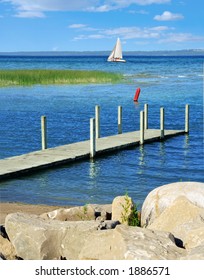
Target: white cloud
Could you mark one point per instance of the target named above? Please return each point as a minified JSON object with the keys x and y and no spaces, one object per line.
{"x":24,"y":7}
{"x":180,"y":38}
{"x":108,"y":5}
{"x":146,"y":2}
{"x":167,"y":16}
{"x":160,"y":28}
{"x":161,"y":34}
{"x":126,"y":33}
{"x":77,"y":25}
{"x":30,"y":14}
{"x":142,"y":12}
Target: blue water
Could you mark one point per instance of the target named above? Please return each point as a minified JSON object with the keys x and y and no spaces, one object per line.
{"x":170,"y":82}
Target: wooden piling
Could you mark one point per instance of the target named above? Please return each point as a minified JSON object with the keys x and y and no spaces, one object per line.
{"x":146,"y":116}
{"x":187,"y":119}
{"x":44,"y":132}
{"x":120,"y":119}
{"x":141,"y":127}
{"x":92,"y":138}
{"x":162,"y":122}
{"x":97,"y":121}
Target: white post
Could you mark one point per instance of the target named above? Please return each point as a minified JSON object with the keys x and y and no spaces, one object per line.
{"x":97,"y":117}
{"x":162,"y":122}
{"x":187,"y":119}
{"x":120,"y":119}
{"x":141,"y":127}
{"x":44,"y":132}
{"x":146,"y":116}
{"x":92,"y":138}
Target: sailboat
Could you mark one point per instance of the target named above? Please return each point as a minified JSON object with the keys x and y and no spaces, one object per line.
{"x":116,"y":54}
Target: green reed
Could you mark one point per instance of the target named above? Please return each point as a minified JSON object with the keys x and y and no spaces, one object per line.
{"x":46,"y":77}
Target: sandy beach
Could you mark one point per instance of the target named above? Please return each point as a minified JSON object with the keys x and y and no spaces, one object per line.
{"x":6,"y":208}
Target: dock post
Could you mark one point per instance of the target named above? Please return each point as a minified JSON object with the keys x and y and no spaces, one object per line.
{"x":92,"y":138}
{"x":44,"y":132}
{"x":141,"y":127}
{"x":146,"y":116}
{"x":162,"y":122}
{"x":120,"y":119}
{"x":97,"y":118}
{"x":187,"y":119}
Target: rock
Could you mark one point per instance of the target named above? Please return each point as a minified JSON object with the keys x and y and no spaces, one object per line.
{"x":37,"y":239}
{"x":81,"y":213}
{"x":196,"y":253}
{"x":103,"y":211}
{"x":194,"y":238}
{"x":162,"y":197}
{"x":180,"y":218}
{"x":7,"y":249}
{"x":130,"y":243}
{"x":122,"y":209}
{"x":108,"y":225}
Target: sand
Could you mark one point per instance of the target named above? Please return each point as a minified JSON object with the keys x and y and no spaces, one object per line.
{"x":6,"y":208}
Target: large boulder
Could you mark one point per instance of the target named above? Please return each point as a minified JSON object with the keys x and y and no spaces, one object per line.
{"x":181,"y":218}
{"x":130,"y":243}
{"x":162,"y":197}
{"x":35,"y":238}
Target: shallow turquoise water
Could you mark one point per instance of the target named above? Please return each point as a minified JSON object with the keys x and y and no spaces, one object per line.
{"x":170,"y":82}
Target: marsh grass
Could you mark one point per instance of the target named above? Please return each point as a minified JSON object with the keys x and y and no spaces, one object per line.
{"x":46,"y":77}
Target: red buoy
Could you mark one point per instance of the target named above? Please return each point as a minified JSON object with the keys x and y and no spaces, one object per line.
{"x":137,"y":93}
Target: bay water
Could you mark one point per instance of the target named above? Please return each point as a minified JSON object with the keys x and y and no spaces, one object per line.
{"x":169,"y":82}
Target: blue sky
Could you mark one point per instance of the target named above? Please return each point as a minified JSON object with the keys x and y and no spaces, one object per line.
{"x":94,"y":25}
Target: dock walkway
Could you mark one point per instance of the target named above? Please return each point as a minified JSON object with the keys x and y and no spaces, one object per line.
{"x":28,"y":163}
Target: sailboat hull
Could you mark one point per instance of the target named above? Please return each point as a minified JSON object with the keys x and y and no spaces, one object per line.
{"x":116,"y":60}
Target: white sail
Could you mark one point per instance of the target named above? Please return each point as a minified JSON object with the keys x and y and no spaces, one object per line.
{"x":116,"y":54}
{"x":118,"y":49}
{"x":111,"y":56}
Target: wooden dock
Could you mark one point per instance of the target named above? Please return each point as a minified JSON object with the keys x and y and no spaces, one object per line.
{"x":28,"y":163}
{"x":48,"y":158}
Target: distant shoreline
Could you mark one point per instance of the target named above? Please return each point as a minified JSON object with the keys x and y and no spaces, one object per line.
{"x":191,"y":52}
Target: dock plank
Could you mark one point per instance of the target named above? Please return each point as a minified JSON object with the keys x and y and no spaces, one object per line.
{"x":27,"y":163}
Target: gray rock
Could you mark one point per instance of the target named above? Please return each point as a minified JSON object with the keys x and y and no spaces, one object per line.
{"x":180,"y":218}
{"x":161,"y":198}
{"x":81,"y":213}
{"x":37,"y":239}
{"x":196,"y":253}
{"x":6,"y":248}
{"x":130,"y":243}
{"x":104,"y":225}
{"x":194,"y":238}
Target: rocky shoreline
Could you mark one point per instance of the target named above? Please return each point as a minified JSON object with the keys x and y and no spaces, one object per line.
{"x":169,"y":227}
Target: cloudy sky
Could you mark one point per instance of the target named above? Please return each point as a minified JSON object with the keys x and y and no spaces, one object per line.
{"x":94,"y":25}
